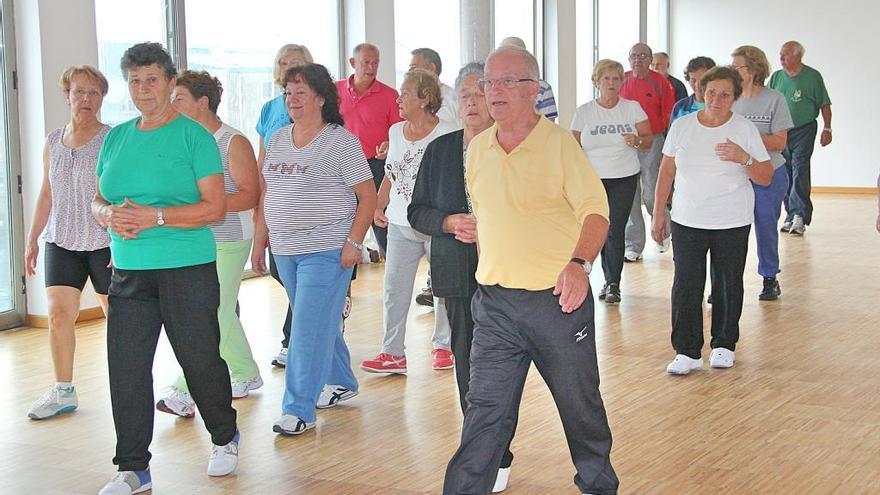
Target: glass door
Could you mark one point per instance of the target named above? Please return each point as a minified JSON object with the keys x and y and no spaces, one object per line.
{"x":12,"y":302}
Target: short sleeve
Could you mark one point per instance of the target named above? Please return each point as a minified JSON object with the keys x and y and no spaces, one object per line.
{"x":104,"y":153}
{"x":354,"y":168}
{"x":261,"y":124}
{"x":824,"y":99}
{"x":781,"y":119}
{"x":670,"y":144}
{"x":579,"y":121}
{"x":206,"y":155}
{"x":638,"y":113}
{"x":755,"y":145}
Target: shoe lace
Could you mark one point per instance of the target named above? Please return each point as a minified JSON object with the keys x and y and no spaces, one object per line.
{"x":49,"y":397}
{"x":178,"y":395}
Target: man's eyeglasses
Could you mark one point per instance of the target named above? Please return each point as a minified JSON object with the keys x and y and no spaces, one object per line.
{"x":507,"y":83}
{"x":638,"y":56}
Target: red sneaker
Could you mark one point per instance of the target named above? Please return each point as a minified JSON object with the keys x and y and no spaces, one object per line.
{"x":385,"y":363}
{"x":443,"y":359}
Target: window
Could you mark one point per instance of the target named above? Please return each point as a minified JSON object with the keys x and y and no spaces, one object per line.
{"x":116,"y":32}
{"x":584,"y":51}
{"x":618,"y":28}
{"x":238,"y":46}
{"x":658,"y":25}
{"x":415,"y":26}
{"x":515,"y":18}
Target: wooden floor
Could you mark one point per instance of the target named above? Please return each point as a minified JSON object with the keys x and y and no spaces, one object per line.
{"x":799,"y":414}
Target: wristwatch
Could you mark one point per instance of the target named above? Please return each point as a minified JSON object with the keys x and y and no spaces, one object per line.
{"x":160,"y":217}
{"x":586,"y":265}
{"x":749,"y":162}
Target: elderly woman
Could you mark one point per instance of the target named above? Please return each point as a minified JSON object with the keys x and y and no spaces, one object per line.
{"x":318,"y":200}
{"x":197,"y":96}
{"x":160,"y":185}
{"x":712,"y":155}
{"x":274,"y":116}
{"x":440,"y":208}
{"x":768,"y":110}
{"x":612,"y":130}
{"x":76,"y":247}
{"x":419,"y":102}
{"x":695,"y":69}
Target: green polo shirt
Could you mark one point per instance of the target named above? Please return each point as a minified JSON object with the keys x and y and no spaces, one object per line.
{"x":805,"y":93}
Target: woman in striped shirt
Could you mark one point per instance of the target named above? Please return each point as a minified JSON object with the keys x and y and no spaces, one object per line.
{"x":317,"y":204}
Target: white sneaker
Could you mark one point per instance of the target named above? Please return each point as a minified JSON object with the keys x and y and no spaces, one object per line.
{"x":631,"y":256}
{"x":54,"y":402}
{"x":224,"y":458}
{"x":667,"y":243}
{"x":177,"y":402}
{"x":797,"y":225}
{"x":280,"y":359}
{"x":241,"y":390}
{"x":127,"y":483}
{"x":501,"y":480}
{"x":721,"y":358}
{"x":346,"y":310}
{"x":682,"y":365}
{"x":332,"y":395}
{"x":291,"y":425}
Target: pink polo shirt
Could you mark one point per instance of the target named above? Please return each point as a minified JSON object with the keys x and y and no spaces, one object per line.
{"x":369,"y":116}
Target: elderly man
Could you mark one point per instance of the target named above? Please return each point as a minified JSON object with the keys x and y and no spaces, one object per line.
{"x":806,"y":95}
{"x":661,"y":65}
{"x":545,"y":102}
{"x":369,"y":108}
{"x":428,"y":59}
{"x":657,"y":97}
{"x":542,"y":217}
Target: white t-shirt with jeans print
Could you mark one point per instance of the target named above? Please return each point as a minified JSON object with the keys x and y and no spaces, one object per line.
{"x":402,"y":167}
{"x":602,"y":132}
{"x":711,"y":193}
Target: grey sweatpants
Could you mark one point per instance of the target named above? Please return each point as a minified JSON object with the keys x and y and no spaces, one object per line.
{"x":649,"y":164}
{"x":512,"y":329}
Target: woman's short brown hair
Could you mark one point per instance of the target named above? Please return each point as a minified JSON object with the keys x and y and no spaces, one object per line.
{"x":720,"y":73}
{"x":756,"y":62}
{"x":200,"y":83}
{"x":603,"y":65}
{"x":427,"y":86}
{"x":83,"y":70}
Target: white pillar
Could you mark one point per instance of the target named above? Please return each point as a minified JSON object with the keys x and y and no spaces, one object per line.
{"x":49,"y":37}
{"x":560,"y":55}
{"x":476,"y":29}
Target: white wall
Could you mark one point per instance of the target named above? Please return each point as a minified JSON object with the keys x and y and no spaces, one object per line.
{"x":47,"y":43}
{"x":836,"y":38}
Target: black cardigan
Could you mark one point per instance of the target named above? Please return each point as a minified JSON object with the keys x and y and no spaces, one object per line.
{"x":438,"y":193}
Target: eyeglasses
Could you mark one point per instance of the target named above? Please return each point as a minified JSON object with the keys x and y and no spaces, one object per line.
{"x":507,"y":83}
{"x":80,"y":93}
{"x":638,"y":56}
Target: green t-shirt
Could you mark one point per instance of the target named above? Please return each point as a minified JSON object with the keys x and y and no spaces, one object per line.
{"x":159,"y":168}
{"x":805,"y":93}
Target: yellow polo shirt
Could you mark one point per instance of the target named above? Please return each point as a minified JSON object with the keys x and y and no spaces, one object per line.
{"x":530,"y":204}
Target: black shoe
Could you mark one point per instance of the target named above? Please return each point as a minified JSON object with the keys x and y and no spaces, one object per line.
{"x":426,"y":298}
{"x":612,"y":296}
{"x":603,"y":292}
{"x":709,"y":299}
{"x":771,"y":290}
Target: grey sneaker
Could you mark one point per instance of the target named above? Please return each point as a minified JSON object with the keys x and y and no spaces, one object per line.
{"x":280,"y":359}
{"x":242,"y":389}
{"x":224,"y":458}
{"x":54,"y":402}
{"x":786,"y":227}
{"x":178,"y":403}
{"x":127,"y":483}
{"x":291,"y":425}
{"x":797,"y":225}
{"x":332,"y":395}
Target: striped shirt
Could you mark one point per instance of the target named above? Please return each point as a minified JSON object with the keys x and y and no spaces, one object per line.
{"x":73,"y":185}
{"x":237,"y":225}
{"x":545,"y":104}
{"x":309,"y":202}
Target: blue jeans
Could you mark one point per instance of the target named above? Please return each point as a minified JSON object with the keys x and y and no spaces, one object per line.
{"x":798,"y":151}
{"x":768,"y":206}
{"x":316,"y":284}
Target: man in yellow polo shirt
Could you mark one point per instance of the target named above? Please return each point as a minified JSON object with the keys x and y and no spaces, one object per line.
{"x":541,"y":219}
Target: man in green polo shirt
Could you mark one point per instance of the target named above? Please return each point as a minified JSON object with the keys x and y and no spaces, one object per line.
{"x":806,"y":95}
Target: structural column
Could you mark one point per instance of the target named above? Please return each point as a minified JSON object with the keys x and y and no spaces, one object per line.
{"x":476,"y":29}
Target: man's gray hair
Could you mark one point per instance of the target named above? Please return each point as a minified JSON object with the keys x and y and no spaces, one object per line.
{"x":798,"y":48}
{"x":534,"y":71}
{"x":430,"y":56}
{"x":470,"y":69}
{"x":364,"y":46}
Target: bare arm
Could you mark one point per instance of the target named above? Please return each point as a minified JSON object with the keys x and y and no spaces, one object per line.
{"x":825,"y":139}
{"x":665,"y":178}
{"x":261,"y":233}
{"x":363,"y":216}
{"x":577,"y":136}
{"x":243,"y":169}
{"x":776,"y":141}
{"x":382,"y":200}
{"x":643,"y":140}
{"x":41,"y":217}
{"x":572,"y":284}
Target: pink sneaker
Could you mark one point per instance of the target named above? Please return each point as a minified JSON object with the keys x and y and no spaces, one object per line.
{"x":443,"y":359}
{"x":385,"y":363}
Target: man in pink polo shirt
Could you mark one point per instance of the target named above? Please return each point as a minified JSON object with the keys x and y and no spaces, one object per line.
{"x":369,"y":108}
{"x":657,"y":97}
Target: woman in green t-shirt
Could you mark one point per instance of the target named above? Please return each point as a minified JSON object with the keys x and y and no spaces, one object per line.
{"x":160,"y":185}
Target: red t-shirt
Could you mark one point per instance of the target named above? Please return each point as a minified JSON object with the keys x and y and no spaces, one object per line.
{"x":654,"y":93}
{"x":369,"y":116}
